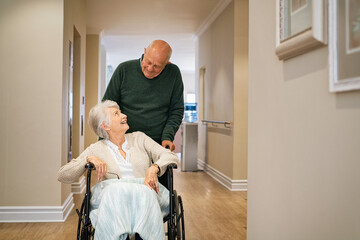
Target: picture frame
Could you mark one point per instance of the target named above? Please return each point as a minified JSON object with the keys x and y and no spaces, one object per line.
{"x":305,"y":38}
{"x":344,"y":45}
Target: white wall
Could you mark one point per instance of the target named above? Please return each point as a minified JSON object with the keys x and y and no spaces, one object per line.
{"x":102,"y":73}
{"x":189,"y":82}
{"x":303,"y":143}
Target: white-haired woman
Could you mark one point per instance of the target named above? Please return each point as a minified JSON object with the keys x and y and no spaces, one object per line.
{"x":129,"y":157}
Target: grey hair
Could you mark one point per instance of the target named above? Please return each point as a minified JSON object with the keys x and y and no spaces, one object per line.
{"x":98,"y":115}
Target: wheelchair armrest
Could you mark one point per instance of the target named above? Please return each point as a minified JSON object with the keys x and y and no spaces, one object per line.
{"x":167,"y":178}
{"x":172,"y":166}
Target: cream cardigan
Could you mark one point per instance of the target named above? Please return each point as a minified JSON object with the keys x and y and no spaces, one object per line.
{"x":142,"y":149}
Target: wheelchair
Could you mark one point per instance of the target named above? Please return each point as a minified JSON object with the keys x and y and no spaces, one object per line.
{"x":174,"y":220}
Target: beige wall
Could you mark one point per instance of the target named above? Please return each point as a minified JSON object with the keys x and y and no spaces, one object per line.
{"x":78,"y":106}
{"x":31,"y":97}
{"x":222,"y":51}
{"x":74,"y":31}
{"x":92,"y":81}
{"x":241,"y":49}
{"x":216,"y":51}
{"x":34,"y":96}
{"x":303,"y":143}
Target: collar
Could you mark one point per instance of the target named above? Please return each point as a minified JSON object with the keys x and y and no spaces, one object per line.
{"x":142,"y":57}
{"x":124,"y":146}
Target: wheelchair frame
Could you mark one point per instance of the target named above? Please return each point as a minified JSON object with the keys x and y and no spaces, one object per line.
{"x":175,"y":219}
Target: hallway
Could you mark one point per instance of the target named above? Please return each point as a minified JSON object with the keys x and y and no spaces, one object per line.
{"x":211,"y":212}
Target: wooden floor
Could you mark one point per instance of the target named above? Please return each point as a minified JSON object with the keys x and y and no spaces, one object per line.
{"x":211,"y":212}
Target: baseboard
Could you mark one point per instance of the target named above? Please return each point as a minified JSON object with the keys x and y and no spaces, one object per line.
{"x":37,"y":213}
{"x":233,"y":185}
{"x":79,"y":187}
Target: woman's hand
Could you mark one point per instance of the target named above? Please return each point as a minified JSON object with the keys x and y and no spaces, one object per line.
{"x":100,"y":166}
{"x":151,"y":179}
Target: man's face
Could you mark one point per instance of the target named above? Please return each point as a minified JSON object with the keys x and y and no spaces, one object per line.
{"x":153,"y":63}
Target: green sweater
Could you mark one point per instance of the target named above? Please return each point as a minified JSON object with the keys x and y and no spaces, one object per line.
{"x":153,"y":106}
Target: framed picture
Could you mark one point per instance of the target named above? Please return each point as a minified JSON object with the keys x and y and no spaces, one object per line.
{"x":344,"y":45}
{"x":301,"y":26}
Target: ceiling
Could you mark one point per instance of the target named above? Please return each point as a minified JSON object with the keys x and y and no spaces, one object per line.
{"x":128,"y":26}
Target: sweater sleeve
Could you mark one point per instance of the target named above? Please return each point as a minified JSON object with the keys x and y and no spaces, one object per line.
{"x":72,"y":171}
{"x":176,"y":110}
{"x":158,"y":154}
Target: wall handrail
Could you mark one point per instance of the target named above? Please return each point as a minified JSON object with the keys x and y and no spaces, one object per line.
{"x":227,"y":124}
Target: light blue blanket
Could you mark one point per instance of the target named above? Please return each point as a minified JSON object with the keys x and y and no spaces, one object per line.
{"x":125,"y":206}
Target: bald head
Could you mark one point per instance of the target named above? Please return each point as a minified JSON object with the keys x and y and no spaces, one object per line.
{"x":160,"y":47}
{"x":156,"y":57}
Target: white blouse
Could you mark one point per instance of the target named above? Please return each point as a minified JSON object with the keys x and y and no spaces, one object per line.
{"x":124,"y":164}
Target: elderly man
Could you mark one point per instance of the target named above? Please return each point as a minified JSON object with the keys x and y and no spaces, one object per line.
{"x":149,"y":91}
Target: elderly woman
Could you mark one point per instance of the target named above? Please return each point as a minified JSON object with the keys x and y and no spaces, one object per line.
{"x":136,"y":202}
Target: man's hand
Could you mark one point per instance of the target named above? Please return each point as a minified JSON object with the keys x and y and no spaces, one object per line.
{"x":151,"y":179}
{"x":166,"y":143}
{"x":100,"y":166}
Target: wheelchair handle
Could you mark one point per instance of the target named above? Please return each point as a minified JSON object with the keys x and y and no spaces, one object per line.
{"x":172,"y":166}
{"x":90,"y":166}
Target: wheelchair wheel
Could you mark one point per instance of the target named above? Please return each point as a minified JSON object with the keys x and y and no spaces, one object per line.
{"x":179,"y":213}
{"x":85,"y":230}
